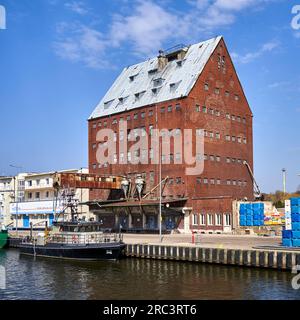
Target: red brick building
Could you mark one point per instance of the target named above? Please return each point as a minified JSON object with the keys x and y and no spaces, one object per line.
{"x":193,"y":87}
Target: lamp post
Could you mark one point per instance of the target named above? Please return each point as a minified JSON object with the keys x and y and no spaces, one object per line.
{"x":284,"y":180}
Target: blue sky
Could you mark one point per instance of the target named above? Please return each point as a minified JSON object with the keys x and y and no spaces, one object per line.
{"x":58,"y":58}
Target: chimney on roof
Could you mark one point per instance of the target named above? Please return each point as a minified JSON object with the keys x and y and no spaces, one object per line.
{"x":162,"y":60}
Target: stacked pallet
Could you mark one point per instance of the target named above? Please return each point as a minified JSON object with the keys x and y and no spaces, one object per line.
{"x":291,"y":238}
{"x":252,"y":214}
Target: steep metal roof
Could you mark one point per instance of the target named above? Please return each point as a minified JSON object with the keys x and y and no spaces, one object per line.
{"x":144,"y":84}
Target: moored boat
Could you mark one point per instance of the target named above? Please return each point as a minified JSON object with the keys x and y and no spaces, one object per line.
{"x":3,"y":238}
{"x":75,"y":240}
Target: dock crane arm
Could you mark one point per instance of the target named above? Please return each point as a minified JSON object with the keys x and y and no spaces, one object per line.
{"x":257,"y":192}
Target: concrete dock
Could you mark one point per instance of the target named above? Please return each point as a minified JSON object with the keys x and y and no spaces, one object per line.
{"x":243,"y":251}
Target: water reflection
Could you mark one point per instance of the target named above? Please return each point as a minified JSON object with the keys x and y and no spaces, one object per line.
{"x":29,"y":278}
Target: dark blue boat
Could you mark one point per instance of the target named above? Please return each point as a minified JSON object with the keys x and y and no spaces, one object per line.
{"x":75,"y":240}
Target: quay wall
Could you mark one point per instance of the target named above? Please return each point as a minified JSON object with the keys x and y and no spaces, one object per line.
{"x":257,"y":258}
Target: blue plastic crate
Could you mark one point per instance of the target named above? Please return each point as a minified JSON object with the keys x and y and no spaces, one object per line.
{"x":296,"y":226}
{"x":295,"y":209}
{"x":262,"y":222}
{"x":287,"y":234}
{"x":256,"y":216}
{"x":287,"y":242}
{"x":256,"y":223}
{"x":295,"y":202}
{"x":243,"y":223}
{"x":296,"y":242}
{"x":249,"y":212}
{"x":249,"y":223}
{"x":248,"y":206}
{"x":295,"y":217}
{"x":296,"y":234}
{"x":243,"y":210}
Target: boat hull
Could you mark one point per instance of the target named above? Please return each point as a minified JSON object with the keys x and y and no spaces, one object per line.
{"x":75,"y":252}
{"x":3,"y":238}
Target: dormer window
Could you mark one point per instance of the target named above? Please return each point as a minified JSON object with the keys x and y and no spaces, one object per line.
{"x":152,"y":71}
{"x":138,"y":95}
{"x":179,"y":63}
{"x":132,"y":77}
{"x":156,"y":90}
{"x":107,"y":104}
{"x":157,"y":82}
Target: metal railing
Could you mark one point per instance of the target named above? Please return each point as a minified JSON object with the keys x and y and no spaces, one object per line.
{"x":84,"y":238}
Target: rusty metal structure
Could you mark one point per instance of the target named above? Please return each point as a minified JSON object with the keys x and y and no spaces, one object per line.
{"x":86,"y":181}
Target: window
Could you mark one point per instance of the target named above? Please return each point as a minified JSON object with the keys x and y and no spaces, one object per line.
{"x":218,"y":181}
{"x":47,"y":194}
{"x":227,"y":116}
{"x":218,"y":218}
{"x":129,"y":156}
{"x":94,"y":145}
{"x":198,"y":180}
{"x":178,"y":107}
{"x":151,"y":130}
{"x":212,"y":158}
{"x":204,"y":109}
{"x":105,"y":123}
{"x":227,"y":219}
{"x":143,"y":115}
{"x":135,"y":116}
{"x":245,"y":140}
{"x":128,"y":118}
{"x":211,"y":134}
{"x":206,"y":87}
{"x":212,"y":181}
{"x":169,"y":108}
{"x":114,"y":121}
{"x":202,"y":219}
{"x":233,"y":160}
{"x":228,"y":160}
{"x":47,"y":181}
{"x":217,"y":91}
{"x":37,"y":195}
{"x":218,"y":158}
{"x":227,"y":94}
{"x":238,"y":119}
{"x":227,"y":138}
{"x":244,"y":120}
{"x":30,"y":183}
{"x":94,"y":126}
{"x":121,"y":157}
{"x":228,"y":182}
{"x":115,"y":158}
{"x":162,"y":110}
{"x":195,"y":219}
{"x":234,"y":182}
{"x":239,"y":139}
{"x":99,"y":124}
{"x":171,"y":181}
{"x":197,"y":108}
{"x":29,"y":195}
{"x":236,"y":97}
{"x":151,"y":177}
{"x":178,"y":180}
{"x":150,"y":113}
{"x":205,"y":181}
{"x":218,"y":113}
{"x":178,"y":156}
{"x":218,"y":136}
{"x":233,"y":117}
{"x":211,"y":111}
{"x":233,"y":139}
{"x":210,"y":219}
{"x":205,"y":157}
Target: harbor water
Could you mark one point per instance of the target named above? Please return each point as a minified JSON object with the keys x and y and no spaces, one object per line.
{"x":44,"y":279}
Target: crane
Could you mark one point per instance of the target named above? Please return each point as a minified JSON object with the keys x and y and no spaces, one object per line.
{"x":257,"y":193}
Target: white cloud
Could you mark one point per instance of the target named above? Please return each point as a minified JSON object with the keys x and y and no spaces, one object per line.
{"x":276,"y":85}
{"x":79,"y":43}
{"x":77,"y":7}
{"x":148,"y":26}
{"x":250,"y":56}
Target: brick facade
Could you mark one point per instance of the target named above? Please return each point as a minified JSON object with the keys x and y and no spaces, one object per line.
{"x":216,"y":104}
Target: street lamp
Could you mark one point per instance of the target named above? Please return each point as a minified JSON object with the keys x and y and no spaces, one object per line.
{"x":284,"y":180}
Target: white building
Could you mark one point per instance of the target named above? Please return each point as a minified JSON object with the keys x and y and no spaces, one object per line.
{"x":7,"y":195}
{"x":37,"y":204}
